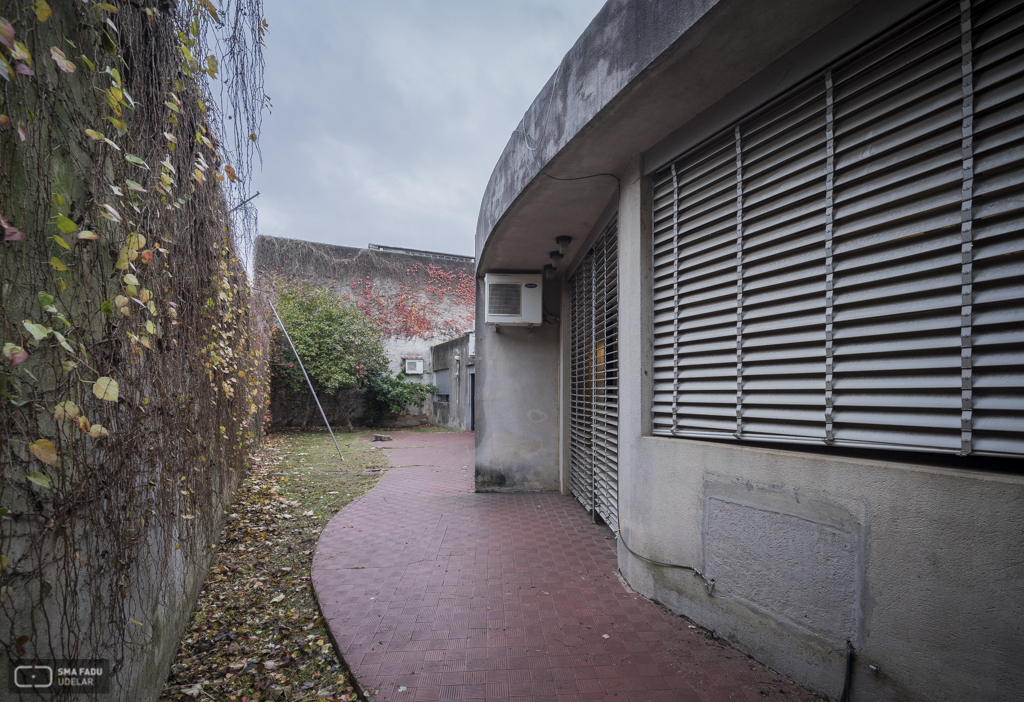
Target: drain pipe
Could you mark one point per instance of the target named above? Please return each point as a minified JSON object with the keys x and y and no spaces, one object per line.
{"x":315,"y":398}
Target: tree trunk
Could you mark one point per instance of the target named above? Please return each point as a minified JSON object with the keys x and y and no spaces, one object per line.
{"x":309,"y":412}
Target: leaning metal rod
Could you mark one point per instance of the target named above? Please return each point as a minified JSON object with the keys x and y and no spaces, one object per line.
{"x":322,"y":413}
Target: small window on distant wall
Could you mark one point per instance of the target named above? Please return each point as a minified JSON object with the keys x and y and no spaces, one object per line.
{"x":414,"y":366}
{"x":442,"y":379}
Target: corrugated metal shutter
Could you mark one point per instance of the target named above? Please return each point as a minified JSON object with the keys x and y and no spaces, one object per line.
{"x":845,"y":265}
{"x":594,"y":373}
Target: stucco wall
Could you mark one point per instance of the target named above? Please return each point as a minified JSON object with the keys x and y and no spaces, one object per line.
{"x":517,"y":437}
{"x":919,"y":567}
{"x":454,"y":355}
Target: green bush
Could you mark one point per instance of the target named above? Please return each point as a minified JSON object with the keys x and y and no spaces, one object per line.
{"x":385,"y":394}
{"x":339,"y":346}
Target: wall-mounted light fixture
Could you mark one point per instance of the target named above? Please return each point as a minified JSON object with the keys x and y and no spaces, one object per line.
{"x":556,"y":257}
{"x":549,"y":271}
{"x":562,"y":242}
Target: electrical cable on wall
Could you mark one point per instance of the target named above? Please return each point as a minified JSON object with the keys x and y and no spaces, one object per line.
{"x":709,"y":583}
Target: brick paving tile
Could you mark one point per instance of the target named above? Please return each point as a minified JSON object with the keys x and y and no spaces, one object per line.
{"x":434,"y":592}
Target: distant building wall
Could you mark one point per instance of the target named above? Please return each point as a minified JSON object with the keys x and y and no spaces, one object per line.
{"x":419,"y":298}
{"x":457,"y":358}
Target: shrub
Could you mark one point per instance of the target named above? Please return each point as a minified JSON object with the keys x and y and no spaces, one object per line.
{"x":390,"y":394}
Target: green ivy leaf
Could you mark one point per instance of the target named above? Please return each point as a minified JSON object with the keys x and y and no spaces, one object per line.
{"x":107,"y":308}
{"x":63,"y":342}
{"x":66,"y":226}
{"x":106,"y":389}
{"x":38,"y":331}
{"x":40,"y":479}
{"x":136,"y":160}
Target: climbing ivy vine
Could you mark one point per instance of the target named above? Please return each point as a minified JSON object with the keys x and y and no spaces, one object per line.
{"x":133,"y":373}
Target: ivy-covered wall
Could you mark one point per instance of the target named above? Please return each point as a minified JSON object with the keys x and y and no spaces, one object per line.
{"x":132,"y":376}
{"x":416,"y":300}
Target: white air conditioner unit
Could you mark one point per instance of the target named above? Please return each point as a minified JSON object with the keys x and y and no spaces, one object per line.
{"x":514,"y":299}
{"x":413,"y":366}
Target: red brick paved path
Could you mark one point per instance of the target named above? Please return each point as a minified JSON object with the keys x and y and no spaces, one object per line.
{"x":455,"y":595}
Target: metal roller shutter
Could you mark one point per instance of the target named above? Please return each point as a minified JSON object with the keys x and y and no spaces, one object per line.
{"x":846,"y":265}
{"x":594,"y":371}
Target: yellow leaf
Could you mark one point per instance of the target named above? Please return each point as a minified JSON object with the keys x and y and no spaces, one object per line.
{"x":61,"y":241}
{"x":106,"y":389}
{"x":97,"y":431}
{"x":42,"y":10}
{"x":93,"y":134}
{"x":66,"y":410}
{"x":150,"y":327}
{"x":44,"y":450}
{"x":131,"y":279}
{"x":56,"y":264}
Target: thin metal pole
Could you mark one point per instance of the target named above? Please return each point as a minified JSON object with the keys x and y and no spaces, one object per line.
{"x":322,"y":413}
{"x":244,"y":202}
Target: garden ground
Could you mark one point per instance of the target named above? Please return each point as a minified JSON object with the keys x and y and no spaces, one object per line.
{"x":256,"y":631}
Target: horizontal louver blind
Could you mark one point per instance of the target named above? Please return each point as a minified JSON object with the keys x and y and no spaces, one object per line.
{"x":845,"y":266}
{"x":594,"y":371}
{"x":581,"y":389}
{"x":998,"y":234}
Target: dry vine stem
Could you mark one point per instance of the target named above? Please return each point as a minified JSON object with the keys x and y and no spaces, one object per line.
{"x":133,"y":376}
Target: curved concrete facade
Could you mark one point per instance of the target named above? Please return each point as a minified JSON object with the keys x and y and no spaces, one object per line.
{"x":639,"y":71}
{"x":917,"y":565}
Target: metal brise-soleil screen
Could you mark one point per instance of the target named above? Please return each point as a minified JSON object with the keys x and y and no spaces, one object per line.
{"x":594,"y":379}
{"x":846,"y":265}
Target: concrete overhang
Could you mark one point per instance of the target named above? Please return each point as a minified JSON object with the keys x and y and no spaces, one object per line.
{"x":640,"y":70}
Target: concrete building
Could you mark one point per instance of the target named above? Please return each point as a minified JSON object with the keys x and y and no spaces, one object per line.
{"x":454,"y":364}
{"x":419,"y":298}
{"x":782,"y":353}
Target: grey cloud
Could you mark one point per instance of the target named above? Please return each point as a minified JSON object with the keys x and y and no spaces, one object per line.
{"x":389,"y":116}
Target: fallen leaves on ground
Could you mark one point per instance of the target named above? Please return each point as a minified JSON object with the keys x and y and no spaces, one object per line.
{"x":256,"y":632}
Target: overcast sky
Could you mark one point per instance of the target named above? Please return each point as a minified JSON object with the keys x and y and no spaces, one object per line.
{"x":389,"y":115}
